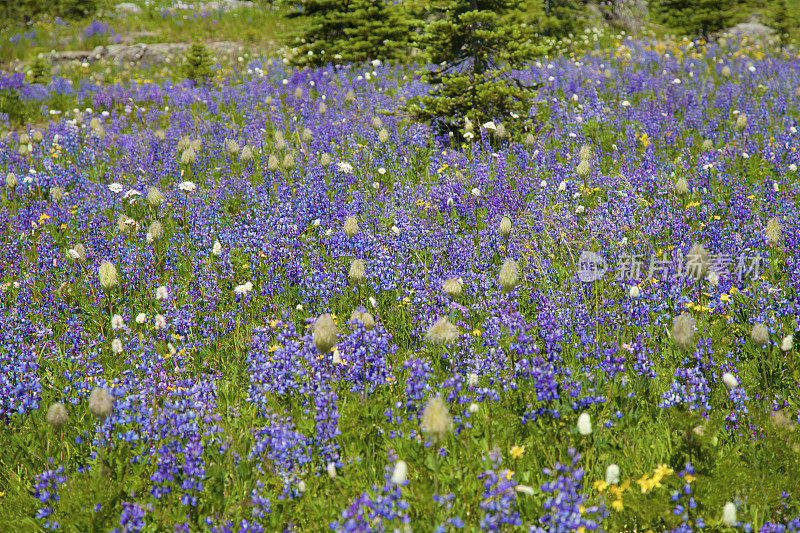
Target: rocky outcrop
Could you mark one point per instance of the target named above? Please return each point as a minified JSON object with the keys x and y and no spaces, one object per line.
{"x":144,"y":55}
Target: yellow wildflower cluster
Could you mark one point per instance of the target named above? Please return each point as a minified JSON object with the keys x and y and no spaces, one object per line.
{"x":648,"y":484}
{"x":614,"y":490}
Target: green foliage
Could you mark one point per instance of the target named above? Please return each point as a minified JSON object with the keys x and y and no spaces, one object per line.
{"x":12,"y":106}
{"x":40,"y":70}
{"x":352,"y":31}
{"x":699,"y":17}
{"x":562,"y":17}
{"x":475,"y":44}
{"x":376,"y":30}
{"x":784,"y":22}
{"x":197,"y":63}
{"x":24,"y":10}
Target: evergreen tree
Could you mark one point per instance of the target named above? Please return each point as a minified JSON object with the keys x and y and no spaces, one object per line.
{"x":197,"y":63}
{"x":375,"y":30}
{"x":783,"y":22}
{"x":695,"y":17}
{"x":322,"y":41}
{"x":474,"y":44}
{"x":562,"y":17}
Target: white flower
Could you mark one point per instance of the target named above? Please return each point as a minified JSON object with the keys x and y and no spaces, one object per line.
{"x":381,"y":171}
{"x":612,"y":474}
{"x":562,"y":186}
{"x":116,"y":346}
{"x":332,"y":470}
{"x":116,"y":188}
{"x":117,"y":323}
{"x":132,"y":194}
{"x":730,"y":380}
{"x":473,"y":408}
{"x":395,"y":230}
{"x":187,"y":186}
{"x":141,"y":318}
{"x":787,"y":343}
{"x":584,"y":424}
{"x":400,"y":473}
{"x":580,"y":209}
{"x":162,"y":293}
{"x":160,"y":322}
{"x":543,"y":184}
{"x":626,"y":103}
{"x":345,"y":167}
{"x":301,"y":486}
{"x":216,"y":249}
{"x":243,"y":289}
{"x":475,"y":192}
{"x":472,"y":379}
{"x":450,"y":202}
{"x":525,"y":489}
{"x":634,"y":291}
{"x":745,"y":155}
{"x":793,"y":167}
{"x":729,"y":514}
{"x":490,"y":126}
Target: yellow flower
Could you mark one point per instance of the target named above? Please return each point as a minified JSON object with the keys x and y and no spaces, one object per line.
{"x":689,"y":478}
{"x":617,"y":505}
{"x":663,"y":470}
{"x":517,"y":451}
{"x":600,"y":485}
{"x":476,"y":332}
{"x":724,"y":297}
{"x":509,"y":474}
{"x":273,"y":348}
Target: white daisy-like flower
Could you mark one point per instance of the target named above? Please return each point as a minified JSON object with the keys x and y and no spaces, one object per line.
{"x":116,"y":188}
{"x":345,"y":167}
{"x":243,"y":289}
{"x":490,"y":126}
{"x":141,"y":318}
{"x":475,"y":192}
{"x":187,"y":186}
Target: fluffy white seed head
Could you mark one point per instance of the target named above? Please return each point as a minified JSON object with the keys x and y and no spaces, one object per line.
{"x":56,"y":195}
{"x":216,"y":250}
{"x":683,"y":331}
{"x":383,"y":136}
{"x":436,"y":420}
{"x":729,"y":514}
{"x":584,"y":424}
{"x":108,"y":275}
{"x":364,"y":317}
{"x":452,"y":287}
{"x":101,"y":404}
{"x":634,"y":291}
{"x":246,"y":155}
{"x":116,"y":346}
{"x":582,"y":170}
{"x":162,"y":293}
{"x":159,"y":322}
{"x":155,"y":197}
{"x":697,"y":262}
{"x":774,"y":231}
{"x":681,"y":186}
{"x":442,"y":332}
{"x":787,"y":343}
{"x":57,"y":416}
{"x":741,"y":122}
{"x":505,"y":227}
{"x":331,"y":469}
{"x":11,"y":180}
{"x":612,"y":474}
{"x":326,"y":333}
{"x":272,"y":163}
{"x":351,"y":226}
{"x":509,"y":275}
{"x":325,"y":160}
{"x":358,"y":273}
{"x":156,"y":231}
{"x":117,"y":322}
{"x":759,"y":335}
{"x":585,"y":153}
{"x":400,"y":472}
{"x":730,"y":380}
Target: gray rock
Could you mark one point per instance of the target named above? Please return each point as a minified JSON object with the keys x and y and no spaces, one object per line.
{"x":128,"y":8}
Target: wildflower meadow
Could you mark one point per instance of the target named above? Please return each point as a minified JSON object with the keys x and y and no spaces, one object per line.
{"x":271,"y":302}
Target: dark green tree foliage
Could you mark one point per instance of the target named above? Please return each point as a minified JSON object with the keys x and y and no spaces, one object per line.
{"x":475,"y":44}
{"x":783,"y":22}
{"x":376,"y":30}
{"x":695,"y":17}
{"x":321,"y":42}
{"x":17,"y":11}
{"x":562,"y":17}
{"x":40,"y":70}
{"x":197,"y":63}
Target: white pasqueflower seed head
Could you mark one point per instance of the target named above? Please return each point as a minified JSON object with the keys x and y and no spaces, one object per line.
{"x":634,"y":291}
{"x":584,"y":424}
{"x":383,"y":136}
{"x":307,"y":135}
{"x":108,"y":275}
{"x":357,"y":272}
{"x":729,"y":514}
{"x":331,"y":468}
{"x":730,"y":380}
{"x":56,"y":195}
{"x":159,"y":322}
{"x":683,"y":331}
{"x":436,"y":420}
{"x":585,"y":153}
{"x":582,"y":170}
{"x":697,"y":262}
{"x":288,"y":162}
{"x":529,"y":141}
{"x":365,"y":317}
{"x":707,"y":145}
{"x":452,"y":287}
{"x":509,"y":275}
{"x":162,"y":293}
{"x":77,"y":253}
{"x":156,"y":231}
{"x":473,"y":408}
{"x":759,"y":335}
{"x":325,"y":160}
{"x":351,"y":226}
{"x":787,"y":343}
{"x":726,"y":71}
{"x":322,"y":109}
{"x":472,"y":379}
{"x":117,"y":323}
{"x":57,"y":415}
{"x":124,"y":224}
{"x":400,"y":472}
{"x":101,"y":404}
{"x":141,"y":318}
{"x":326,"y":334}
{"x":216,"y":250}
{"x":500,"y":132}
{"x":272,"y":163}
{"x":505,"y":227}
{"x":298,"y":93}
{"x":774,"y":231}
{"x":562,"y":186}
{"x":681,"y":186}
{"x":189,"y":156}
{"x":116,"y":346}
{"x":741,"y":122}
{"x":232,"y":146}
{"x":246,"y":155}
{"x":442,"y":332}
{"x":11,"y":180}
{"x":377,"y":123}
{"x":612,"y":474}
{"x":155,"y":197}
